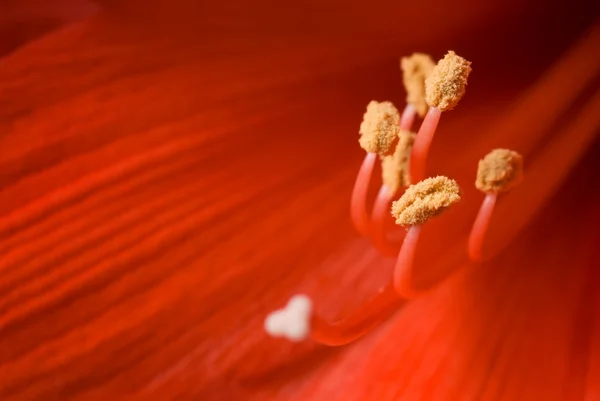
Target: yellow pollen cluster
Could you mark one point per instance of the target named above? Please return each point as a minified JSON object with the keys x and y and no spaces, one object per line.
{"x":424,"y":200}
{"x":499,"y":171}
{"x":415,"y":69}
{"x":379,"y":128}
{"x":446,"y":84}
{"x":395,"y":169}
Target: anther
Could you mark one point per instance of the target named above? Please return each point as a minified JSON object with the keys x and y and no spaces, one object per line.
{"x":499,"y":171}
{"x":419,"y":203}
{"x":379,"y":128}
{"x":415,"y":70}
{"x":447,"y":83}
{"x":378,"y":136}
{"x":443,"y":90}
{"x":395,"y":169}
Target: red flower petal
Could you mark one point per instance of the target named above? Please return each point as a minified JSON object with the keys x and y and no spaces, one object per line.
{"x":159,"y":195}
{"x":22,"y":21}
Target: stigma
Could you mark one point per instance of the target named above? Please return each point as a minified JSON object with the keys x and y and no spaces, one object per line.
{"x":291,"y":322}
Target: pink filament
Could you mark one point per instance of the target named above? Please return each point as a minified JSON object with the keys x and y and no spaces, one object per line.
{"x":418,"y":158}
{"x":408,"y":118}
{"x":381,"y":211}
{"x":403,"y":270}
{"x":480,"y":227}
{"x":370,"y":315}
{"x":358,"y":212}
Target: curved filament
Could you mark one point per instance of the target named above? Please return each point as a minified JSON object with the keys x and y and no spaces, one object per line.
{"x":370,"y":315}
{"x":358,"y":201}
{"x":381,"y":211}
{"x":418,"y":158}
{"x":403,"y":271}
{"x":480,"y":227}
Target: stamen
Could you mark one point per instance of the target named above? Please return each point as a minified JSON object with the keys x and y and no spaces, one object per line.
{"x":443,"y":90}
{"x":395,"y":175}
{"x":499,"y":171}
{"x":379,"y":135}
{"x":419,"y":203}
{"x":415,"y":69}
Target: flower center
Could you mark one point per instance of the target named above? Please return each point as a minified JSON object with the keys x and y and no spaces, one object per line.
{"x":403,"y":156}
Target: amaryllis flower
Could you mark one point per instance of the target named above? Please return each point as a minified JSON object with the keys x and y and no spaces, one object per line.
{"x":173,"y":171}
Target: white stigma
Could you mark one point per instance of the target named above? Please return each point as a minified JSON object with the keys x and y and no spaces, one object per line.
{"x":291,"y":322}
